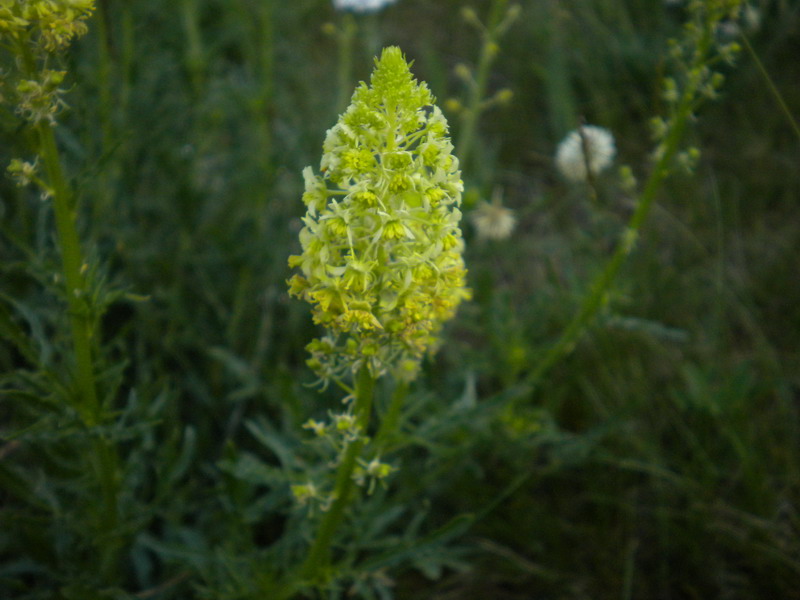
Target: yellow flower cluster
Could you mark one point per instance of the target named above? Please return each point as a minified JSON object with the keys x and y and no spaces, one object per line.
{"x":382,"y":249}
{"x":33,"y":30}
{"x":54,"y":22}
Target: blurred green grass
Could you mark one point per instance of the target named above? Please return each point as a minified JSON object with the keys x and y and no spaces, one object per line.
{"x":660,"y":458}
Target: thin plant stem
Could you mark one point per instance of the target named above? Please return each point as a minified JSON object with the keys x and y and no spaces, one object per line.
{"x":195,"y":57}
{"x":772,"y":87}
{"x":344,"y":73}
{"x":127,"y":54}
{"x":72,"y":266}
{"x":266,"y":76}
{"x":598,"y":291}
{"x":561,"y":100}
{"x":391,"y":420}
{"x":469,"y":121}
{"x":110,"y":542}
{"x":103,"y":459}
{"x":319,"y":555}
{"x":106,"y":103}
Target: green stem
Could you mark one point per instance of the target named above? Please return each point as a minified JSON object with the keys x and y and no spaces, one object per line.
{"x":109,"y":539}
{"x":391,"y":420}
{"x":344,"y":73}
{"x":127,"y":57}
{"x":195,"y":57}
{"x":72,"y":264}
{"x":772,"y":87}
{"x":102,"y":203}
{"x":469,"y":121}
{"x":105,"y":61}
{"x":319,"y":555}
{"x":104,"y":459}
{"x":558,"y":89}
{"x":266,"y":74}
{"x":598,"y":292}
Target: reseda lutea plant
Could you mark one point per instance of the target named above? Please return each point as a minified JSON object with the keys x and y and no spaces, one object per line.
{"x":63,"y":412}
{"x":34,"y":34}
{"x":381,"y":266}
{"x":697,"y":54}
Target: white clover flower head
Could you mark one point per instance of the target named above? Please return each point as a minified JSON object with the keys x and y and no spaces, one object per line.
{"x":493,"y":221}
{"x":588,"y":145}
{"x":362,"y":6}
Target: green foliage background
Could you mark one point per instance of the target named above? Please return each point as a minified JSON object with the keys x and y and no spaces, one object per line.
{"x":661,"y":459}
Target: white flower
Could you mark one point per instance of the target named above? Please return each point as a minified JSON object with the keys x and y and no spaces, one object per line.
{"x":590,"y":145}
{"x":361,"y":6}
{"x":493,"y":221}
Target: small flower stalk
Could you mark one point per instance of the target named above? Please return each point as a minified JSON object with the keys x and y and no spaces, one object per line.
{"x":382,"y":251}
{"x":501,"y":17}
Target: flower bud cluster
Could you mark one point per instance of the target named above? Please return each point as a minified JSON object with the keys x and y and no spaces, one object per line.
{"x":341,"y":430}
{"x":52,"y":24}
{"x":23,"y":172}
{"x":382,"y":249}
{"x":33,"y":30}
{"x":696,"y":53}
{"x":40,"y":99}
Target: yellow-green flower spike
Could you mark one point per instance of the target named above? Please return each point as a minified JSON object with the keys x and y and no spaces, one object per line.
{"x":56,"y":22}
{"x":382,"y":249}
